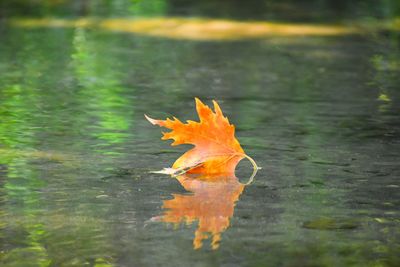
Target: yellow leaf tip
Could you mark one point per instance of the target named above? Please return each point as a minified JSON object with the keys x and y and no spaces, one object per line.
{"x":152,"y":121}
{"x":217,"y":108}
{"x":198,"y":102}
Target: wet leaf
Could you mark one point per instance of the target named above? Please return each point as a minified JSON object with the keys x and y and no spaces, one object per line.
{"x":216,"y":150}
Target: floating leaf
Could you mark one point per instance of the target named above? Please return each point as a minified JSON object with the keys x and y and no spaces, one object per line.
{"x":215,"y":151}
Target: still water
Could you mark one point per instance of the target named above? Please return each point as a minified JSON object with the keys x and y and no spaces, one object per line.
{"x":318,"y":112}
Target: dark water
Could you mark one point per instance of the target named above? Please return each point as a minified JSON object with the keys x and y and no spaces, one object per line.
{"x":319,"y":114}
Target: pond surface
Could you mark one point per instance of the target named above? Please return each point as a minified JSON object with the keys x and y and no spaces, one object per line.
{"x":319,"y":114}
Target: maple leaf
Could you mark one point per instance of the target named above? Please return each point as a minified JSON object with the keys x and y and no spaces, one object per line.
{"x":215,"y":151}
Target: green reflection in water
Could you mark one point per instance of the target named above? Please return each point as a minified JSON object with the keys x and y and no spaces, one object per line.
{"x":101,"y":93}
{"x":19,"y":93}
{"x":31,"y":232}
{"x":148,"y":8}
{"x":21,"y":184}
{"x":21,"y":188}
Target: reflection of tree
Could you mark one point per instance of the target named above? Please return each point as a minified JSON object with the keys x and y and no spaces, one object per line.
{"x":211,"y":204}
{"x":100,"y":92}
{"x":20,"y":184}
{"x":31,"y":115}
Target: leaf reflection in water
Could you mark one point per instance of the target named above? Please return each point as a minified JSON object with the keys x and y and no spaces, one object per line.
{"x":211,"y":204}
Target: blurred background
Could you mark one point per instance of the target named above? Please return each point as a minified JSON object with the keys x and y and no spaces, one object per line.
{"x":312,"y":87}
{"x":287,"y":10}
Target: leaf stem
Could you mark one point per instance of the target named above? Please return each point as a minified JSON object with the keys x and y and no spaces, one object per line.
{"x":255,"y":169}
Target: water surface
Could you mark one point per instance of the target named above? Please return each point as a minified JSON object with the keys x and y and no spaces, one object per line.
{"x":319,"y":114}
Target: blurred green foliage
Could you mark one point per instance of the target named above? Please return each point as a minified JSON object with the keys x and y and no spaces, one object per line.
{"x":292,"y":10}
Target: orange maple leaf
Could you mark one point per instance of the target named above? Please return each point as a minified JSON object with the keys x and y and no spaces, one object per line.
{"x":215,"y":151}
